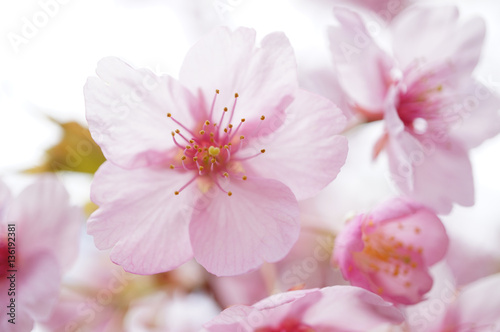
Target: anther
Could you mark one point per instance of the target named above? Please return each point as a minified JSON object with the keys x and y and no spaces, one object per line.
{"x":172,"y":166}
{"x":244,"y":177}
{"x":263,"y":117}
{"x":229,"y":193}
{"x":173,"y":134}
{"x":201,"y":168}
{"x":225,"y":109}
{"x":225,"y":174}
{"x":236,"y":95}
{"x":177,"y":193}
{"x":177,"y":131}
{"x":242,"y":137}
{"x":243,"y":120}
{"x":183,"y":158}
{"x":207,"y":123}
{"x":217,"y":91}
{"x":195,"y":158}
{"x":202,"y":132}
{"x":169,"y":115}
{"x":263,"y":150}
{"x":230,"y":126}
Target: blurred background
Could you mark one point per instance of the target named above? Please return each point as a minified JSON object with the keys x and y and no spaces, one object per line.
{"x":49,"y":48}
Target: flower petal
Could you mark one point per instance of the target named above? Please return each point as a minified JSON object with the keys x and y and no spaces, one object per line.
{"x":141,"y":218}
{"x":477,"y":307}
{"x":229,"y":61}
{"x":44,"y":216}
{"x":127,"y":112}
{"x":39,"y":284}
{"x":437,"y":39}
{"x":362,"y":66}
{"x":351,"y":309}
{"x":477,"y":111}
{"x":305,"y":154}
{"x":234,"y":235}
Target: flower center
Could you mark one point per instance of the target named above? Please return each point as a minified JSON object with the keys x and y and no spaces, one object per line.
{"x":386,"y":254}
{"x":211,"y":151}
{"x":421,"y":105}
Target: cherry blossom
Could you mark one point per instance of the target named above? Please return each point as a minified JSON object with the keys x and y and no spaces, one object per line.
{"x":419,"y":81}
{"x":321,"y":310}
{"x":212,"y":165}
{"x":388,"y":251}
{"x":45,"y":229}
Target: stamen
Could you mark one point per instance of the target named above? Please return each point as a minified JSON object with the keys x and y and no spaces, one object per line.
{"x":178,"y":132}
{"x":175,"y":141}
{"x":213,"y":104}
{"x":184,"y":186}
{"x":218,"y":185}
{"x":234,"y":107}
{"x":236,"y":130}
{"x":221,"y":119}
{"x":180,"y":124}
{"x":250,"y":157}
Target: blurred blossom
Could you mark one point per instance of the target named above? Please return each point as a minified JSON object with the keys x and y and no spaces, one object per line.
{"x":343,"y":308}
{"x":97,"y":294}
{"x":389,"y":250}
{"x":189,"y":161}
{"x":163,"y":313}
{"x":473,"y":307}
{"x":45,"y":229}
{"x":434,"y":111}
{"x":306,"y":266}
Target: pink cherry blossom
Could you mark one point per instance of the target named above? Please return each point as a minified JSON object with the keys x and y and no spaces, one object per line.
{"x":46,"y":232}
{"x":388,"y":251}
{"x":420,"y":83}
{"x":212,"y":165}
{"x":321,"y":310}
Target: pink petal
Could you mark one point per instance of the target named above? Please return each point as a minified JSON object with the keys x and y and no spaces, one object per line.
{"x":306,"y":154}
{"x":229,"y":61}
{"x":269,"y":312}
{"x":417,"y":226}
{"x":437,"y":39}
{"x":47,"y":221}
{"x":478,"y":115}
{"x":141,"y":218}
{"x":38,"y":284}
{"x":127,"y":112}
{"x":351,"y":308}
{"x":477,"y":307}
{"x":362,"y":66}
{"x":234,"y":235}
